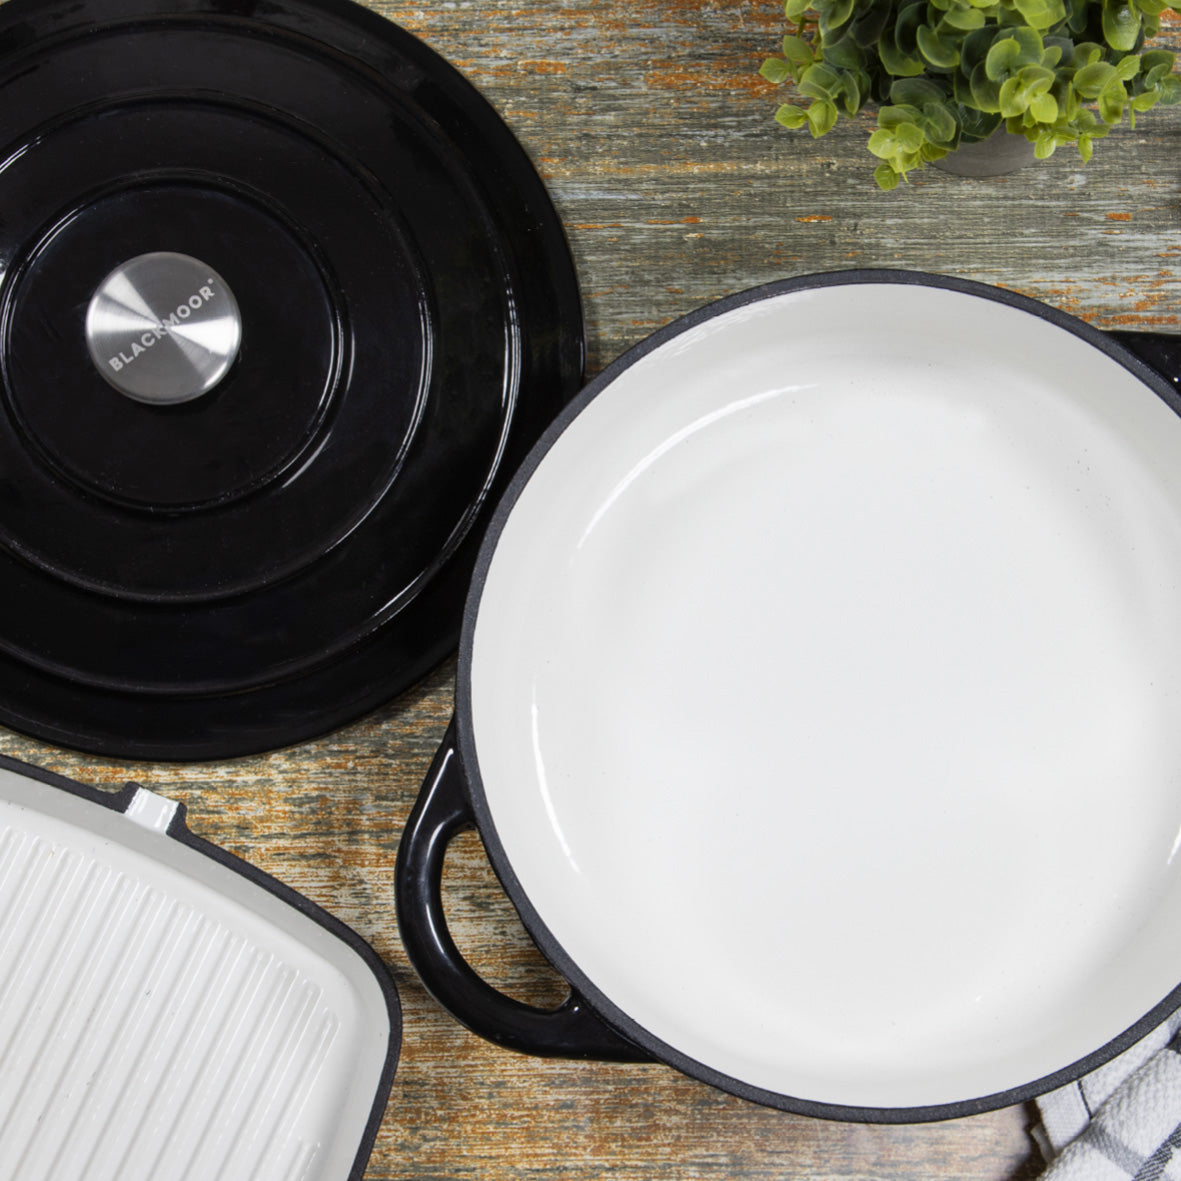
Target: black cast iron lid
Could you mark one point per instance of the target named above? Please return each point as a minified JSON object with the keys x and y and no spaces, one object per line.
{"x":282,"y":299}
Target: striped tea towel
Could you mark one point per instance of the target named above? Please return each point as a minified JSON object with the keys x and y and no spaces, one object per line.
{"x":1122,"y":1122}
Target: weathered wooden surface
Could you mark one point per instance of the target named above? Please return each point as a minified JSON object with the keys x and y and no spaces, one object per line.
{"x":655,"y":136}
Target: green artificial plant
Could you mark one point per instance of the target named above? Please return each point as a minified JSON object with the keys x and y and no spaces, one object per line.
{"x":947,"y":72}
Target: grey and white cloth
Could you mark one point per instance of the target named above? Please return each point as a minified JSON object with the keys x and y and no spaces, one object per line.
{"x":1122,"y":1122}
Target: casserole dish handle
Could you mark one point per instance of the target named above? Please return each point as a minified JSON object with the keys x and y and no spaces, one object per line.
{"x":1160,"y":351}
{"x":571,"y":1030}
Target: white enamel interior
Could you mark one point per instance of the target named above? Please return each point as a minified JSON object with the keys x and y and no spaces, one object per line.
{"x":825,"y":691}
{"x":163,"y":1017}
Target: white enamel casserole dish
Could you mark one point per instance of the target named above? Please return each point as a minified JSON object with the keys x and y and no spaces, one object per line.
{"x":817,"y":705}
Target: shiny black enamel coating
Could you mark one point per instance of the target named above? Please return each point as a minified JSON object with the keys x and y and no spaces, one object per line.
{"x":572,"y":1030}
{"x":284,"y":553}
{"x":1161,"y":351}
{"x":453,"y":795}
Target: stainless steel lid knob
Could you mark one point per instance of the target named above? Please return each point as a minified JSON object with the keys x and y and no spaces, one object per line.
{"x":163,"y":328}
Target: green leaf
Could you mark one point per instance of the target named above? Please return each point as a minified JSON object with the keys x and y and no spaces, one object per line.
{"x":911,"y":17}
{"x":977,"y":125}
{"x":965,"y":19}
{"x":910,"y":137}
{"x":896,"y":63}
{"x":794,"y":9}
{"x":844,"y":53}
{"x":1091,"y":80}
{"x":916,"y":91}
{"x":1111,"y":103}
{"x":1121,"y":25}
{"x":798,"y":52}
{"x":1157,"y":57}
{"x":867,"y":25}
{"x":1077,"y":14}
{"x":940,"y":123}
{"x":1155,"y":65}
{"x":1040,"y":79}
{"x":1041,"y":14}
{"x":1004,"y":59}
{"x":975,"y":48}
{"x":820,"y":81}
{"x":1086,"y":53}
{"x":1012,"y":100}
{"x":1031,"y":44}
{"x":1044,"y":108}
{"x":986,"y":94}
{"x":852,"y":93}
{"x":791,"y":116}
{"x":836,"y":13}
{"x":1020,"y":92}
{"x":1128,"y":67}
{"x":1085,"y":147}
{"x":776,"y":70}
{"x":886,"y":177}
{"x":892,"y":118}
{"x":939,"y":52}
{"x":1036,"y":79}
{"x":822,"y":118}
